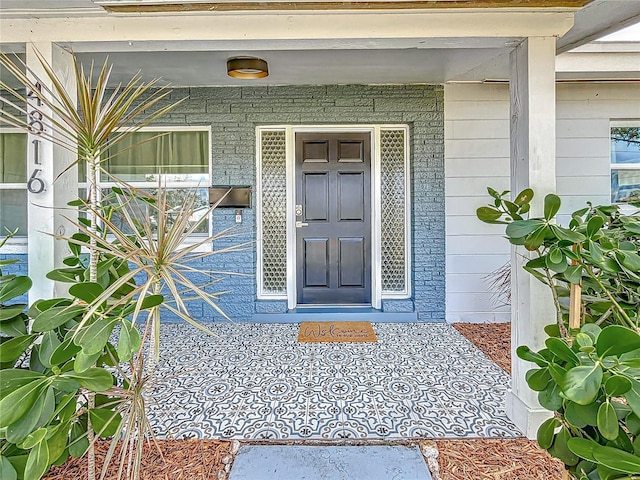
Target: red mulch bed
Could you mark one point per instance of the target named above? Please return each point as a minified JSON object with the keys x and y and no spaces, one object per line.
{"x":515,"y":459}
{"x":183,"y":460}
{"x":493,"y":339}
{"x":510,"y":459}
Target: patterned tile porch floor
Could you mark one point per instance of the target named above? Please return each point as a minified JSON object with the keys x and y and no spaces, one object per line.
{"x":255,"y":381}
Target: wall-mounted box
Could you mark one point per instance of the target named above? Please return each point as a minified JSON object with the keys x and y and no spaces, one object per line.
{"x":230,"y":196}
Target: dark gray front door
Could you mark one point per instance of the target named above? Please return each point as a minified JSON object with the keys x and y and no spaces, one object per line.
{"x":333,"y":218}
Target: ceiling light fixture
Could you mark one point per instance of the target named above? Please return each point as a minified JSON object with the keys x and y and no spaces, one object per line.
{"x":247,"y":67}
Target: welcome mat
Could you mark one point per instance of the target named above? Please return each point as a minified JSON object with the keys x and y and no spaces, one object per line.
{"x":336,"y":332}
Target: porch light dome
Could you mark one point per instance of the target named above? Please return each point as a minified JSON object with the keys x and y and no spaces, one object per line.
{"x":247,"y":67}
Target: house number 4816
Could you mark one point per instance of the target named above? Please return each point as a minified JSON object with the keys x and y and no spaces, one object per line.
{"x":36,"y":127}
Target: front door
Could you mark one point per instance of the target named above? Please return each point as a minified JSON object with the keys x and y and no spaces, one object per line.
{"x":333,"y":218}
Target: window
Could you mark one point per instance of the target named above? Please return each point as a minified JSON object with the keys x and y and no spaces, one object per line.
{"x":13,"y":182}
{"x":176,"y":157}
{"x":625,"y":162}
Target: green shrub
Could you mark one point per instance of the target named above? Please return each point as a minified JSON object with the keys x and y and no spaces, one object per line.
{"x":589,"y":377}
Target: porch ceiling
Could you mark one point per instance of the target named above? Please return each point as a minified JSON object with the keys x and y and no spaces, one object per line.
{"x":385,"y":46}
{"x":409,"y":65}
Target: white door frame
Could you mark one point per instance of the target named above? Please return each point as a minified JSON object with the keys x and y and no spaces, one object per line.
{"x":292,"y":267}
{"x":376,"y":208}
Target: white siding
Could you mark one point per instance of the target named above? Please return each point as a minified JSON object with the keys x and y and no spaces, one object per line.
{"x":584,"y":115}
{"x":477,"y":156}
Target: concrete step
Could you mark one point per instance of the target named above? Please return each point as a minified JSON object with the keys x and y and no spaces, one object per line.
{"x":303,"y":462}
{"x":333,"y":315}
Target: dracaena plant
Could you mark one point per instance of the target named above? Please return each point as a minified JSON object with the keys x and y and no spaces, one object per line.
{"x":589,"y":377}
{"x":86,"y":123}
{"x":146,"y":268}
{"x":156,"y":239}
{"x":131,"y":269}
{"x":75,"y":344}
{"x":98,"y":117}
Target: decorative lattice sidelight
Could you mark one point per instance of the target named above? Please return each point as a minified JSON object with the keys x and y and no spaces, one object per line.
{"x":393,"y":215}
{"x":274,"y":212}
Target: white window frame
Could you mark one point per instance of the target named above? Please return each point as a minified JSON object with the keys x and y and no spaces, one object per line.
{"x":407,"y":208}
{"x":622,"y":166}
{"x":17,"y":244}
{"x":169,"y":185}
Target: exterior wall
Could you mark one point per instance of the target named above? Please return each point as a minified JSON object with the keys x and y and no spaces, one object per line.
{"x":476,"y":151}
{"x":234,"y":114}
{"x":477,"y":156}
{"x":17,"y":268}
{"x":584,"y":146}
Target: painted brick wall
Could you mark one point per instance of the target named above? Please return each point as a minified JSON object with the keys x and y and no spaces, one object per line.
{"x":234,"y":113}
{"x":17,"y":268}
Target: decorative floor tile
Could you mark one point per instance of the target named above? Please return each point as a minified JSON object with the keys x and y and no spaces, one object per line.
{"x":255,"y":381}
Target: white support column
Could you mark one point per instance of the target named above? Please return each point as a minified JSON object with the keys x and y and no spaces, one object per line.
{"x":533,"y":165}
{"x":45,"y":208}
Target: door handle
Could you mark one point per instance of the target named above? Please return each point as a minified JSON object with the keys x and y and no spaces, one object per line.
{"x":301,"y":224}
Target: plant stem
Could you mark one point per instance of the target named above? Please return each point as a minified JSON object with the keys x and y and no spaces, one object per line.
{"x":92,"y":174}
{"x":92,"y":179}
{"x":153,"y":346}
{"x":624,"y":315}
{"x":91,"y":453}
{"x":556,"y":301}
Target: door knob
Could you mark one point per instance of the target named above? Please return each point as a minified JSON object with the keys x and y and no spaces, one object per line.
{"x":301,"y":224}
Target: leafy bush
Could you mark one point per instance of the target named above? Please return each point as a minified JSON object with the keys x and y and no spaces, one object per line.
{"x":57,"y":365}
{"x":593,"y":386}
{"x":73,"y":345}
{"x":49,"y":368}
{"x":86,"y":122}
{"x":598,"y":250}
{"x":590,"y":377}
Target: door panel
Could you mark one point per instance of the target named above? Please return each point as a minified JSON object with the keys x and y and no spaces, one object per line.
{"x":351,"y":196}
{"x":316,"y":255}
{"x":316,"y":151}
{"x":333,"y":233}
{"x":316,"y":196}
{"x":349,"y":151}
{"x":352,"y":262}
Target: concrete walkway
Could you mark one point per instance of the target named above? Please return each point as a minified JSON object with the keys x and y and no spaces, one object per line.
{"x":329,"y":463}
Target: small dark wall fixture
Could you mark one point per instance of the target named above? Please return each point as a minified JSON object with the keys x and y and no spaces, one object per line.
{"x":230,"y":196}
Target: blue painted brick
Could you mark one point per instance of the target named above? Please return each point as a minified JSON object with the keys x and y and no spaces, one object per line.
{"x":271,"y":306}
{"x":398,"y":306}
{"x":19,"y":268}
{"x":234,"y":112}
